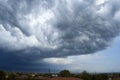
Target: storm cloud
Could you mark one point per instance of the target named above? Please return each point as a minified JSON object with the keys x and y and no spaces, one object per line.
{"x":31,"y":30}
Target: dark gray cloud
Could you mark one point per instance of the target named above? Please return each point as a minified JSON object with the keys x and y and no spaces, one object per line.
{"x":31,"y":30}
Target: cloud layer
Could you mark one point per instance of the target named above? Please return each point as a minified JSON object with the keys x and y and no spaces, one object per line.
{"x":32,"y":29}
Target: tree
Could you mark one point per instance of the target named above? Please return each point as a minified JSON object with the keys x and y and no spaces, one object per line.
{"x":85,"y":76}
{"x":47,"y":75}
{"x":64,"y":73}
{"x":101,"y":77}
{"x":2,"y":75}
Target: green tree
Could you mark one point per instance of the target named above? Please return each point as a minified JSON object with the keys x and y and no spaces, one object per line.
{"x":64,"y":73}
{"x":85,"y":76}
{"x":101,"y":77}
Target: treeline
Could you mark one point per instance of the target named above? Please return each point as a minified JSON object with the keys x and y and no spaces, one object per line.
{"x":64,"y":73}
{"x":84,"y":75}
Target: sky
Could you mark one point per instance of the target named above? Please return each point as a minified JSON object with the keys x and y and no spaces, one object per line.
{"x":38,"y":35}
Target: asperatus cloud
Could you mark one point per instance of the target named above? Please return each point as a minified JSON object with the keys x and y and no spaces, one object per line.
{"x":32,"y":30}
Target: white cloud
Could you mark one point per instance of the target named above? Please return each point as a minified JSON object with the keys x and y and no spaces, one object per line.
{"x":58,"y":61}
{"x":91,"y":63}
{"x":80,"y":63}
{"x":99,"y":2}
{"x":117,"y":16}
